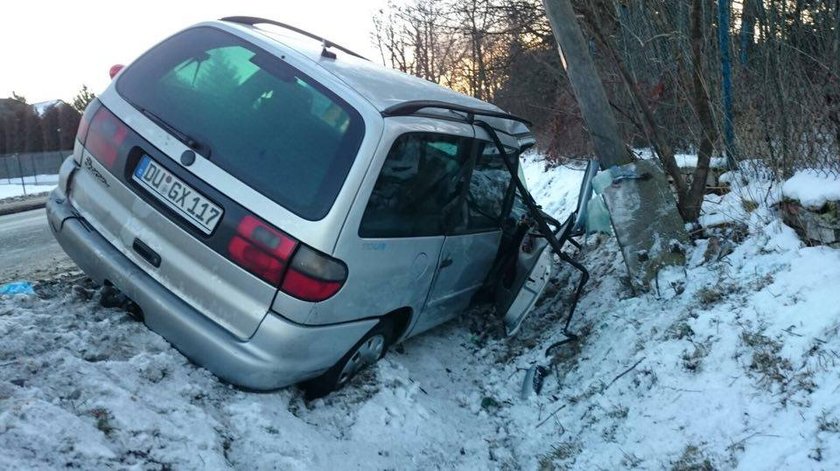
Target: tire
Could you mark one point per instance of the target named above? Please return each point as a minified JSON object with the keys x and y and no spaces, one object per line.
{"x":366,"y":352}
{"x":110,"y":297}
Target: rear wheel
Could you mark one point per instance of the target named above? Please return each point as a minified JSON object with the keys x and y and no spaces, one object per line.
{"x":366,"y":352}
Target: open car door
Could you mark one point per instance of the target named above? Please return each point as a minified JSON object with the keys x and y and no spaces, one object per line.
{"x":522,"y":283}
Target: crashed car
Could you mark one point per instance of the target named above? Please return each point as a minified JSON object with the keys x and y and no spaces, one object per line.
{"x":283,"y":210}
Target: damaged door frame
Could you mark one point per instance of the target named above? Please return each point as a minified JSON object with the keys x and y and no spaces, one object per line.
{"x":556,"y":238}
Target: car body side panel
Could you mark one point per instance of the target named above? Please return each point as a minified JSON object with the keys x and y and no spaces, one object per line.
{"x":388,"y":273}
{"x":463,"y":266}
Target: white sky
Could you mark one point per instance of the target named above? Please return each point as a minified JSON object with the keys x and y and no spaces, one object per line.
{"x":49,"y":48}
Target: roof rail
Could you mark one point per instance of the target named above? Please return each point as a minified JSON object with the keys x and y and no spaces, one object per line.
{"x":253,"y":20}
{"x":408,"y":108}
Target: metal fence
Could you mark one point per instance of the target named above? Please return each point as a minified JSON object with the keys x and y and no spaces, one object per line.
{"x":29,"y":166}
{"x":785,"y":78}
{"x":30,"y":172}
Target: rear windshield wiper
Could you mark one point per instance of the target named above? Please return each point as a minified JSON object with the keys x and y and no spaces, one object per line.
{"x":193,"y":144}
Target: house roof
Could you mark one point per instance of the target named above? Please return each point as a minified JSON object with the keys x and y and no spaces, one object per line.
{"x":42,"y":106}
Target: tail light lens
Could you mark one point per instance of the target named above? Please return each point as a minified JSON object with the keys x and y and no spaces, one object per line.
{"x":261,"y":249}
{"x":313,"y":276}
{"x":282,"y":261}
{"x":105,"y":135}
{"x":87,"y":117}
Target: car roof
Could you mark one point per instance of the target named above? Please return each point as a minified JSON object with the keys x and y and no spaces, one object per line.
{"x":381,"y":86}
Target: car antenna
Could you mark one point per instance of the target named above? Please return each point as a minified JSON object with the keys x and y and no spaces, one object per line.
{"x":325,"y":52}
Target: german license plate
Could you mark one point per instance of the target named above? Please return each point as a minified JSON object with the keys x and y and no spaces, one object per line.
{"x":176,"y":194}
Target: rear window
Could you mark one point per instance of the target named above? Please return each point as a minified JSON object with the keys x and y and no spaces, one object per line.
{"x":260,"y":119}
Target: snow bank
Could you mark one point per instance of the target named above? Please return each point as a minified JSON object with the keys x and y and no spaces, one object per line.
{"x":84,"y":386}
{"x":556,"y":189}
{"x":683,"y":160}
{"x":812,"y":189}
{"x":733,"y":366}
{"x":44,"y":179}
{"x":10,"y":191}
{"x":11,"y":187}
{"x":690,"y":161}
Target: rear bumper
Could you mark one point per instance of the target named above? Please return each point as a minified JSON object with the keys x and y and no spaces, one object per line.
{"x":279,"y":353}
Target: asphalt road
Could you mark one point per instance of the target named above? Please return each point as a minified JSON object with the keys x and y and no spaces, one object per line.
{"x":28,"y":250}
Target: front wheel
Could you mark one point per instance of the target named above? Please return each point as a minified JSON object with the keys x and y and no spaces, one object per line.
{"x":366,"y":352}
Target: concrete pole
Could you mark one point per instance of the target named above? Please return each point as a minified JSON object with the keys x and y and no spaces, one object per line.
{"x":586,"y":84}
{"x":642,"y":210}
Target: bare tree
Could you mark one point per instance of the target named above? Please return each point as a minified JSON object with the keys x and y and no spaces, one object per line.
{"x":83,"y":99}
{"x":415,"y":38}
{"x":659,"y":62}
{"x":690,"y":202}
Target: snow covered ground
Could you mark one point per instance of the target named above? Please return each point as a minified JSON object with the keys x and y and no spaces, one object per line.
{"x":32,"y":185}
{"x":737,"y":367}
{"x":683,"y":160}
{"x":812,"y":189}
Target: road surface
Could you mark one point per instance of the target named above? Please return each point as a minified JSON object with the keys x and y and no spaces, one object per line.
{"x":28,"y":250}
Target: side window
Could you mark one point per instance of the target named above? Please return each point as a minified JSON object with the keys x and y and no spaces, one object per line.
{"x":490,"y":187}
{"x":419,"y":190}
{"x":519,"y":210}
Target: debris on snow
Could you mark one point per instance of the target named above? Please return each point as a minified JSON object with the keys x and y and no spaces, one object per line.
{"x":811,"y":206}
{"x":812,"y":189}
{"x":16,"y":287}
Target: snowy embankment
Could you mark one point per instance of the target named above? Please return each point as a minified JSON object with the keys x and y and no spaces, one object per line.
{"x":32,"y":185}
{"x":738,"y":367}
{"x":812,"y":189}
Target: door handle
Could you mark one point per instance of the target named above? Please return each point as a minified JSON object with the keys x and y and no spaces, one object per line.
{"x":445,"y":263}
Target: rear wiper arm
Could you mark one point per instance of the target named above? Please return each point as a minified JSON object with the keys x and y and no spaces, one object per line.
{"x":186,"y":139}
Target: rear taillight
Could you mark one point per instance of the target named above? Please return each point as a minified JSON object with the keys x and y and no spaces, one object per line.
{"x":280,"y":260}
{"x":87,"y":117}
{"x":313,"y":276}
{"x":261,"y":249}
{"x":105,"y":135}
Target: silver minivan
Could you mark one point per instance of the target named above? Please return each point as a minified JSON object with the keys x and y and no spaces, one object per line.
{"x":282,"y":210}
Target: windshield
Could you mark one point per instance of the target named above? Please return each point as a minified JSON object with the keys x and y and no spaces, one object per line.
{"x":252,"y":114}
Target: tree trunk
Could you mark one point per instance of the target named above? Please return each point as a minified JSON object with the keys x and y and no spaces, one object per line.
{"x":747,"y":31}
{"x":690,"y":205}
